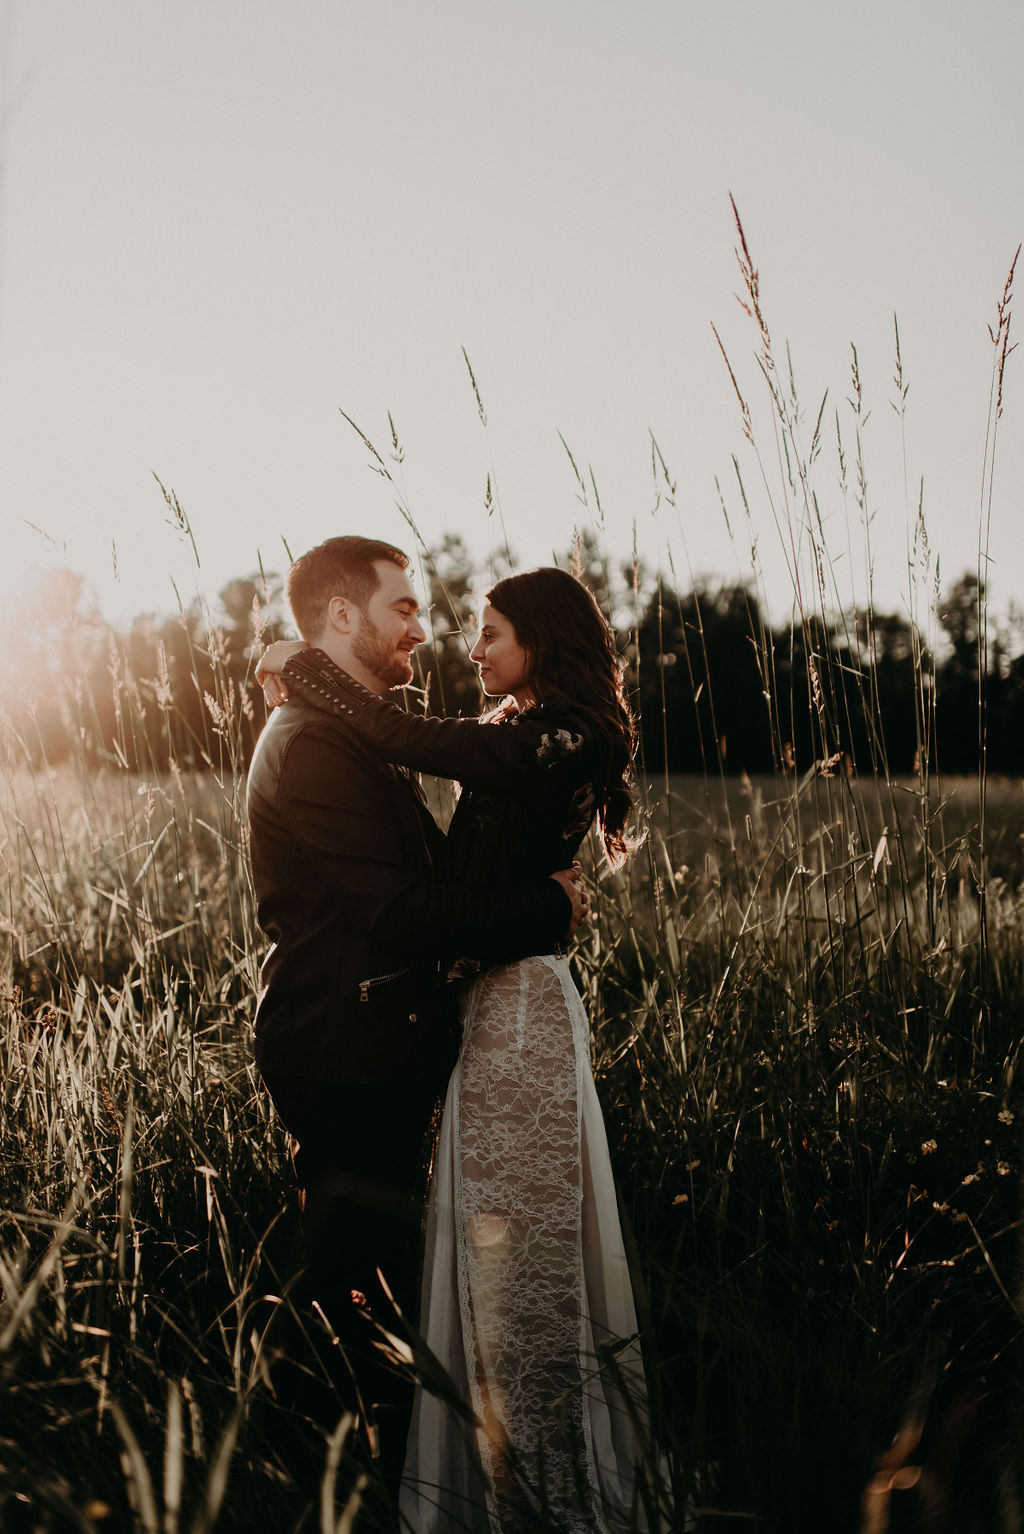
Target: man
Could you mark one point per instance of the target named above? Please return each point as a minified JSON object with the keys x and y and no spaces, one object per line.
{"x":355,"y":1020}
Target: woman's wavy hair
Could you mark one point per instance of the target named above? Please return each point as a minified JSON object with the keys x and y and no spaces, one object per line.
{"x":573,"y":660}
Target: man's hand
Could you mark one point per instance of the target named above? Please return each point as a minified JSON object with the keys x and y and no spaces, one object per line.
{"x":571,"y":880}
{"x":270,"y":665}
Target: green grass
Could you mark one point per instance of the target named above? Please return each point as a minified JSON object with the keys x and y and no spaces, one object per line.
{"x":811,"y":1095}
{"x":805,"y":996}
{"x":812,"y":1270}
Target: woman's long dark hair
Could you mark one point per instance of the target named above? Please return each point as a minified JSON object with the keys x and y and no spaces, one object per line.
{"x":573,"y":660}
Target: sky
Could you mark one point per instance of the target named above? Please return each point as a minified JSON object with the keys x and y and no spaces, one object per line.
{"x":223,"y":222}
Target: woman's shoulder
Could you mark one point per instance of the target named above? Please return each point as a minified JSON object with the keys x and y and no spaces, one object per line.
{"x":558,"y":731}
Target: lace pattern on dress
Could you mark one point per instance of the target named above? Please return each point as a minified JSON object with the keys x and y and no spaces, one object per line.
{"x":525,"y":1279}
{"x":519,"y":1254}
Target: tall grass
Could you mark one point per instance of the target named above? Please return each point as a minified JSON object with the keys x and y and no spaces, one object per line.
{"x":805,"y":996}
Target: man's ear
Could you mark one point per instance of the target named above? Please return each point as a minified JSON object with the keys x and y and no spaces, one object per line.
{"x":339,"y":615}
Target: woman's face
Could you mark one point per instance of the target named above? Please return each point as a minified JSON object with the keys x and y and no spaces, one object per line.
{"x":502,"y":661}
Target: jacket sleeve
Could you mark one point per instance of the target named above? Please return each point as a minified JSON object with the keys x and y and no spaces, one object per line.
{"x":338,"y":827}
{"x":517,"y":748}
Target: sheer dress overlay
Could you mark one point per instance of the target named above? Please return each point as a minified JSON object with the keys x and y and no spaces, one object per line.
{"x":526,"y":1289}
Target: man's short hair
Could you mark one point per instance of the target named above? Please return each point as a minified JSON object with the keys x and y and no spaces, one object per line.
{"x":341,"y":567}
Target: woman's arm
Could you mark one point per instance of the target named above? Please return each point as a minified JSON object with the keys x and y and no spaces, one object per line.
{"x":270,"y":665}
{"x":452,"y":748}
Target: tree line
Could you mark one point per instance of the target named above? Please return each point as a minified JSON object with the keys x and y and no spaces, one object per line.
{"x":716,"y":684}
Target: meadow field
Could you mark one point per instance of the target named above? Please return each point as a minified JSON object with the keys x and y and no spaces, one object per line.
{"x":808,"y":1060}
{"x":806,"y":995}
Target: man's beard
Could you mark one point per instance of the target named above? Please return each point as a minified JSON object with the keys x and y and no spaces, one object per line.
{"x":379,"y":656}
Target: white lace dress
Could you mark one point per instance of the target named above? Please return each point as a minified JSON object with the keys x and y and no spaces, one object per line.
{"x":526,"y":1287}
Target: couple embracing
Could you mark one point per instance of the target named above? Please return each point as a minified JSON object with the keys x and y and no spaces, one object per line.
{"x":525,"y":1296}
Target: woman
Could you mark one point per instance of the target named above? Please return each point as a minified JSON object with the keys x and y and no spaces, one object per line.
{"x":526,"y":1293}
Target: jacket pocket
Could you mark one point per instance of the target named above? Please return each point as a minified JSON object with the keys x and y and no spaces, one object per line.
{"x":406,"y":1019}
{"x":384,"y":987}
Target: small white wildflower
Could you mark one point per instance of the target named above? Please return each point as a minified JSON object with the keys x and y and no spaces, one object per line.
{"x":1006,"y":1117}
{"x":928,"y":1146}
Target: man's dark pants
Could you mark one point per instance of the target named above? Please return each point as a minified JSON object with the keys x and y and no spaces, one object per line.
{"x":360,"y":1155}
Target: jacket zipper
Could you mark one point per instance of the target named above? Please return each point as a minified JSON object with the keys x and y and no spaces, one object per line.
{"x":365,"y":986}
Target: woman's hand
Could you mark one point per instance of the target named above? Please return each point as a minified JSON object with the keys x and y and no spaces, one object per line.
{"x":571,"y":880}
{"x":270,"y":665}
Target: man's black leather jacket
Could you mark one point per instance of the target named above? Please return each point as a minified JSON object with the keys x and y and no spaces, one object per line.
{"x":348,"y":871}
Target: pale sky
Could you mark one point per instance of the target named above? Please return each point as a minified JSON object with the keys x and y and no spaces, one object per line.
{"x":222,"y":220}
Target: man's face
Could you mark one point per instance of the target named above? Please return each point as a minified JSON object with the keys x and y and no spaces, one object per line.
{"x":387,"y":631}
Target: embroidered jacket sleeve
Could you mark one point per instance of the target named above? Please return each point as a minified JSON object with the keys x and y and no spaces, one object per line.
{"x":513,"y":751}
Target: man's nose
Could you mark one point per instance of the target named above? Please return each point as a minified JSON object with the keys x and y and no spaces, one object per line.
{"x":417,"y":632}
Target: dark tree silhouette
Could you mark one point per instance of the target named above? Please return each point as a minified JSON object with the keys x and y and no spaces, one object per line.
{"x":957,"y":677}
{"x":718,"y":688}
{"x":701,"y":693}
